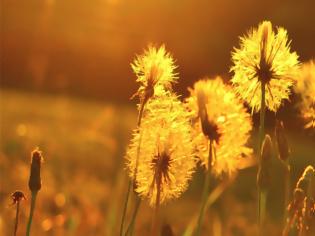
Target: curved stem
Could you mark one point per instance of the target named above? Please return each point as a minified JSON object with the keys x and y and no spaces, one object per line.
{"x":133,"y":219}
{"x":213,"y":196}
{"x":205,"y":190}
{"x":154,"y":226}
{"x":125,"y":208}
{"x":132,"y":182}
{"x":30,"y":219}
{"x":262,"y":117}
{"x":17,"y":217}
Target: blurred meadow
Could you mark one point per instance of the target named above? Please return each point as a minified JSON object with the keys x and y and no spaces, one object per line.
{"x":66,"y":84}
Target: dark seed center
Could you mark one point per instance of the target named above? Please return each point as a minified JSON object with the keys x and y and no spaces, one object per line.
{"x":209,"y":128}
{"x":161,"y":164}
{"x":264,"y":70}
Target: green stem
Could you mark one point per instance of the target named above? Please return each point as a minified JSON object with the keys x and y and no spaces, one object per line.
{"x":261,"y":202}
{"x":33,"y":201}
{"x":17,"y":217}
{"x":205,"y":191}
{"x":133,"y":219}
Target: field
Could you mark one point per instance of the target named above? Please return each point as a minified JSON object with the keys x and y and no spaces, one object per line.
{"x":84,"y":179}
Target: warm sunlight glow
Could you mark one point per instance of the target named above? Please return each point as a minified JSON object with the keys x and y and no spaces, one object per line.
{"x":264,"y":55}
{"x":306,"y":88}
{"x":154,"y":68}
{"x":166,"y":158}
{"x":230,"y":124}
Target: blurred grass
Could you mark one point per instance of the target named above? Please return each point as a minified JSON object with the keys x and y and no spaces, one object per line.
{"x":84,"y":181}
{"x":83,"y":144}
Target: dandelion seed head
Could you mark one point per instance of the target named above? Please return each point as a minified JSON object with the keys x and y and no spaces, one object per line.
{"x":264,"y":56}
{"x":306,"y":88}
{"x":219,"y":116}
{"x":154,"y":68}
{"x":166,"y":158}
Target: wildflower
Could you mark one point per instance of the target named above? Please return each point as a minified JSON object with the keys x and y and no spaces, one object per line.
{"x":166,"y":160}
{"x":306,"y":88}
{"x":217,"y":115}
{"x":154,"y":68}
{"x":264,"y":57}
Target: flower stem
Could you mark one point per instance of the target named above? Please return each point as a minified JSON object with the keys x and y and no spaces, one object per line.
{"x":125,"y":208}
{"x":132,"y":182}
{"x":133,"y":219}
{"x":205,"y":191}
{"x":30,"y":219}
{"x":17,"y":217}
{"x":154,"y":230}
{"x":212,"y":197}
{"x":261,"y":194}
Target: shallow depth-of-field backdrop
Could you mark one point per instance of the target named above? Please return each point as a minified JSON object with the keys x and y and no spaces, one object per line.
{"x":66,"y":84}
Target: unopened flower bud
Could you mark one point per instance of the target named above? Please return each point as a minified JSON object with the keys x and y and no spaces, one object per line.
{"x":266,"y":150}
{"x":282,"y":143}
{"x":35,"y":181}
{"x":263,"y":175}
{"x":263,"y":178}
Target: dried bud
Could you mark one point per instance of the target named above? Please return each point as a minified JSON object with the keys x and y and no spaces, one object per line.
{"x":35,"y":181}
{"x":282,"y":143}
{"x":17,"y":196}
{"x":263,"y":178}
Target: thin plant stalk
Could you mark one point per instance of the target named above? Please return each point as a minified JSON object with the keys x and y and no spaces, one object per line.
{"x":132,"y":183}
{"x":213,"y":196}
{"x":155,"y":217}
{"x":133,"y":219}
{"x":17,"y":217}
{"x":261,"y":194}
{"x":30,"y":219}
{"x":125,"y":208}
{"x":205,"y":191}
